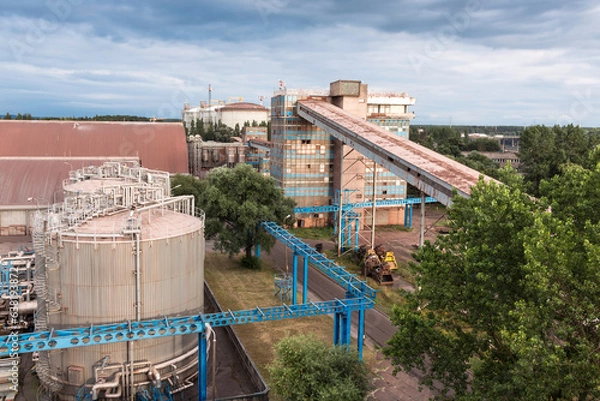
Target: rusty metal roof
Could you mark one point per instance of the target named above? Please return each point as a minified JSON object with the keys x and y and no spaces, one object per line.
{"x":159,"y":146}
{"x":39,"y":178}
{"x":424,"y":168}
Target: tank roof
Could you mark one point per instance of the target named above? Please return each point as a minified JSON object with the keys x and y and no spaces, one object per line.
{"x":154,"y":224}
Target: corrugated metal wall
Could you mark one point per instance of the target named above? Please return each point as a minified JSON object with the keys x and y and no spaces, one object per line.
{"x":95,"y":283}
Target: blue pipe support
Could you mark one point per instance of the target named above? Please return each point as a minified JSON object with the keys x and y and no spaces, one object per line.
{"x":347,"y":280}
{"x":356,"y":238}
{"x":305,"y":281}
{"x":166,"y":327}
{"x":202,"y":367}
{"x":257,"y":251}
{"x":360,"y":333}
{"x":295,"y":282}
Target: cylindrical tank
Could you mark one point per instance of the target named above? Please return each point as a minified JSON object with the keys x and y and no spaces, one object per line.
{"x":124,"y":251}
{"x":97,"y":282}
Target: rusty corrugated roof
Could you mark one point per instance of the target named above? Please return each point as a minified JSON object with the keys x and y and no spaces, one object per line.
{"x":39,"y":178}
{"x":159,"y":146}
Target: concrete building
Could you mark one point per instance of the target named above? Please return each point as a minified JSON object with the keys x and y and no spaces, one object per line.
{"x":206,"y":155}
{"x":229,"y":114}
{"x":314,"y":169}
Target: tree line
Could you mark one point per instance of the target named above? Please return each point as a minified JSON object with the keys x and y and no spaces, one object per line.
{"x":116,"y":117}
{"x":218,"y":131}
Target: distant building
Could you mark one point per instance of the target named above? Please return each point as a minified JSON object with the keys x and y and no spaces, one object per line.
{"x":502,"y":158}
{"x":508,"y":143}
{"x":390,"y":111}
{"x":229,"y":114}
{"x":250,"y":132}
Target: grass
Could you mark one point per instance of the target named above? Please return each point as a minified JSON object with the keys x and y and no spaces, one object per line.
{"x":238,"y":288}
{"x":317,"y":233}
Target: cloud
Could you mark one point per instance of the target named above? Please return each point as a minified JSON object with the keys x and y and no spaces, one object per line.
{"x":472,"y":62}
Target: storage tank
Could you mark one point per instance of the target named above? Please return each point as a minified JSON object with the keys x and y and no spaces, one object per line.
{"x":120,"y":249}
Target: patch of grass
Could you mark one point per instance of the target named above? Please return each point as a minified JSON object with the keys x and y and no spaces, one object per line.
{"x":238,"y":288}
{"x":318,"y":233}
{"x":394,"y":227}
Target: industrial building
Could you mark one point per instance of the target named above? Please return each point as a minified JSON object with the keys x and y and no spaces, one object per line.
{"x":203,"y":156}
{"x":36,"y":156}
{"x":118,"y":248}
{"x":317,"y":170}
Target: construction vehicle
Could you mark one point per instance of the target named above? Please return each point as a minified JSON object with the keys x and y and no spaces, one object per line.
{"x":386,"y":256}
{"x":374,"y":266}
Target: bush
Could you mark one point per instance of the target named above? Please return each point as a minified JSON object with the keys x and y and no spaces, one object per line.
{"x":308,"y":369}
{"x":252,"y":263}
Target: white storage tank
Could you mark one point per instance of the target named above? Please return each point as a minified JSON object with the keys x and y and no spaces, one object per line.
{"x":134,"y":254}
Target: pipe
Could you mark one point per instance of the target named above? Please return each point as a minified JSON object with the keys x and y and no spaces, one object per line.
{"x":154,"y":375}
{"x":131,"y":375}
{"x":106,"y":386}
{"x":422,"y":228}
{"x":138,"y":312}
{"x":180,"y":358}
{"x":211,"y":335}
{"x":27,"y":307}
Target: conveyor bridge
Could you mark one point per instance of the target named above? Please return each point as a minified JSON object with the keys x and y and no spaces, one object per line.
{"x":434,"y":174}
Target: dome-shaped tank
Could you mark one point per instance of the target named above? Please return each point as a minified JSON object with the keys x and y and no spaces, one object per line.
{"x":128,"y":260}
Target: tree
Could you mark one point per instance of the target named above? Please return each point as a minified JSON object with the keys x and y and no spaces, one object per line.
{"x":307,"y":369}
{"x":8,"y":116}
{"x":480,"y":163}
{"x":235,"y":201}
{"x":544,"y":150}
{"x":506,"y":304}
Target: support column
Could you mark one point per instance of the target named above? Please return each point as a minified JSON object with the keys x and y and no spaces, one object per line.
{"x":339,"y":227}
{"x":336,"y":328}
{"x":257,"y":251}
{"x":408,"y":216}
{"x":422,"y":228}
{"x":202,"y":369}
{"x":374,"y":207}
{"x":305,"y":282}
{"x":295,"y":280}
{"x":360,"y":333}
{"x":357,"y":227}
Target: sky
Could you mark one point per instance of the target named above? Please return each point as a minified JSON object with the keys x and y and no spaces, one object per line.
{"x":474,"y":62}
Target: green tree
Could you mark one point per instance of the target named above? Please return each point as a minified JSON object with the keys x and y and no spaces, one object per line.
{"x":544,"y":150}
{"x":186,"y":185}
{"x":308,"y":369}
{"x":506,"y":304}
{"x":235,"y":202}
{"x":481,"y":163}
{"x":8,"y":116}
{"x":483,"y":145}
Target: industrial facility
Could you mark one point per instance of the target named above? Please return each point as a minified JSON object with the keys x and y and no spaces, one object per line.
{"x":116,"y":259}
{"x":118,"y":248}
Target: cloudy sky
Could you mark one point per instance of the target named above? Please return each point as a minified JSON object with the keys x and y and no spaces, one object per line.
{"x":500,"y":62}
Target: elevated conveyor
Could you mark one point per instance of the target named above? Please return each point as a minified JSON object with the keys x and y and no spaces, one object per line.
{"x":431,"y":172}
